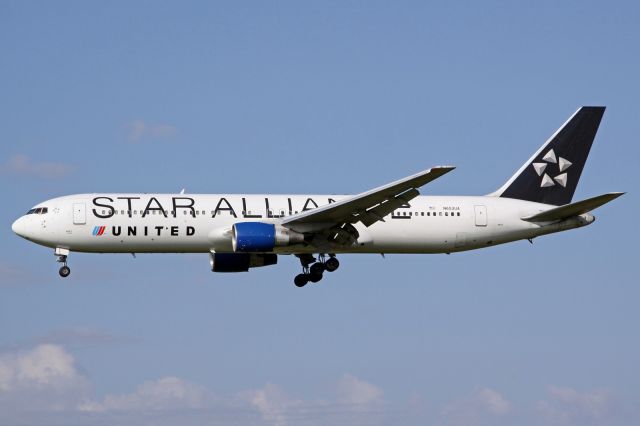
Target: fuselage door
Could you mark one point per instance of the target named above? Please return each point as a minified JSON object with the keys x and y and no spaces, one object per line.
{"x":79,"y":214}
{"x":481,"y":215}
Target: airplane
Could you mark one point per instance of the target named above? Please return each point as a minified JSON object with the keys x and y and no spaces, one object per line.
{"x":241,"y":232}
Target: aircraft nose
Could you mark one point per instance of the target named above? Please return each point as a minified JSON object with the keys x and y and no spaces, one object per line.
{"x":18,"y":226}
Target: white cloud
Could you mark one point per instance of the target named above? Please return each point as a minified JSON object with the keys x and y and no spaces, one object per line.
{"x":168,"y":393}
{"x":44,"y":378}
{"x":43,"y":385}
{"x":478,"y":408}
{"x":493,"y":401}
{"x":46,"y":366}
{"x":352,"y":390}
{"x":21,"y":164}
{"x":139,"y":130}
{"x":567,"y":406}
{"x":356,"y":402}
{"x":274,"y":405}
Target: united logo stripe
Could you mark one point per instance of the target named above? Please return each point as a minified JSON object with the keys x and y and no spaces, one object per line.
{"x":95,"y":230}
{"x":101,"y":230}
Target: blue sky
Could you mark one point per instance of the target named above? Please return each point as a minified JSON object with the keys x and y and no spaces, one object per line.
{"x":332,"y":97}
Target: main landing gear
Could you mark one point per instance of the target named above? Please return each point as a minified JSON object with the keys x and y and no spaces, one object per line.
{"x":313,"y":270}
{"x":62,"y":258}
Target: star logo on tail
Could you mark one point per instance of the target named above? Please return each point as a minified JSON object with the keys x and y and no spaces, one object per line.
{"x":549,"y":159}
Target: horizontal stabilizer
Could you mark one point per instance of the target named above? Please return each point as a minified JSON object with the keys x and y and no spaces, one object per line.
{"x":573,"y":209}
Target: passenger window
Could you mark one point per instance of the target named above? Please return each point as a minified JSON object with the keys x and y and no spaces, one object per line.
{"x":439,"y":213}
{"x":458,"y":213}
{"x":422,"y":214}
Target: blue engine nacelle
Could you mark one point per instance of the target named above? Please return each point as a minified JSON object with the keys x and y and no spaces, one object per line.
{"x":249,"y":237}
{"x":240,"y":262}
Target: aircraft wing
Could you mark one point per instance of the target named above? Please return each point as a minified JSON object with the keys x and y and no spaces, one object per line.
{"x":573,"y":209}
{"x":367,"y":207}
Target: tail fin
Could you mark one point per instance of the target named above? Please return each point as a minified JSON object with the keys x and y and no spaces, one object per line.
{"x":551,"y":175}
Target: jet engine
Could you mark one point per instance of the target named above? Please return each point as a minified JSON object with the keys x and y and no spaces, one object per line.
{"x":249,"y":237}
{"x":240,"y":262}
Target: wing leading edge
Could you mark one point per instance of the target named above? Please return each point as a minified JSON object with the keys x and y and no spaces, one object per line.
{"x":368,"y":207}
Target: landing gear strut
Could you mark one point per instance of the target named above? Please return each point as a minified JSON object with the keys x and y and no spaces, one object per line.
{"x":62,"y":258}
{"x":313,"y":269}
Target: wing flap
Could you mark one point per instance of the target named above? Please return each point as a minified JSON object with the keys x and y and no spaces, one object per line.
{"x":378,"y":212}
{"x":573,"y":209}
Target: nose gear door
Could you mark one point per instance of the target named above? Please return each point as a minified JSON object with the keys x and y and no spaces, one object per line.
{"x":79,"y":214}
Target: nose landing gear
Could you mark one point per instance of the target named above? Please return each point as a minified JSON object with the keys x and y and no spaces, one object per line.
{"x":62,"y":258}
{"x":312,"y":270}
{"x":64,"y":271}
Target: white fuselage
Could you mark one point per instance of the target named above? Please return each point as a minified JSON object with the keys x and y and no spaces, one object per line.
{"x":189,"y":223}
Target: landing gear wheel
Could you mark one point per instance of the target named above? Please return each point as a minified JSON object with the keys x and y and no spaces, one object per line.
{"x":301,"y":280}
{"x":331,"y":264}
{"x":64,"y":271}
{"x":314,"y":278}
{"x":317,"y":268}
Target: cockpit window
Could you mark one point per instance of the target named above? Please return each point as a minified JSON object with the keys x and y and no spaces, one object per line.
{"x":39,"y":210}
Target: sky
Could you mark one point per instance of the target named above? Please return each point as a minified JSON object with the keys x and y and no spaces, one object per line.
{"x":317,"y":97}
